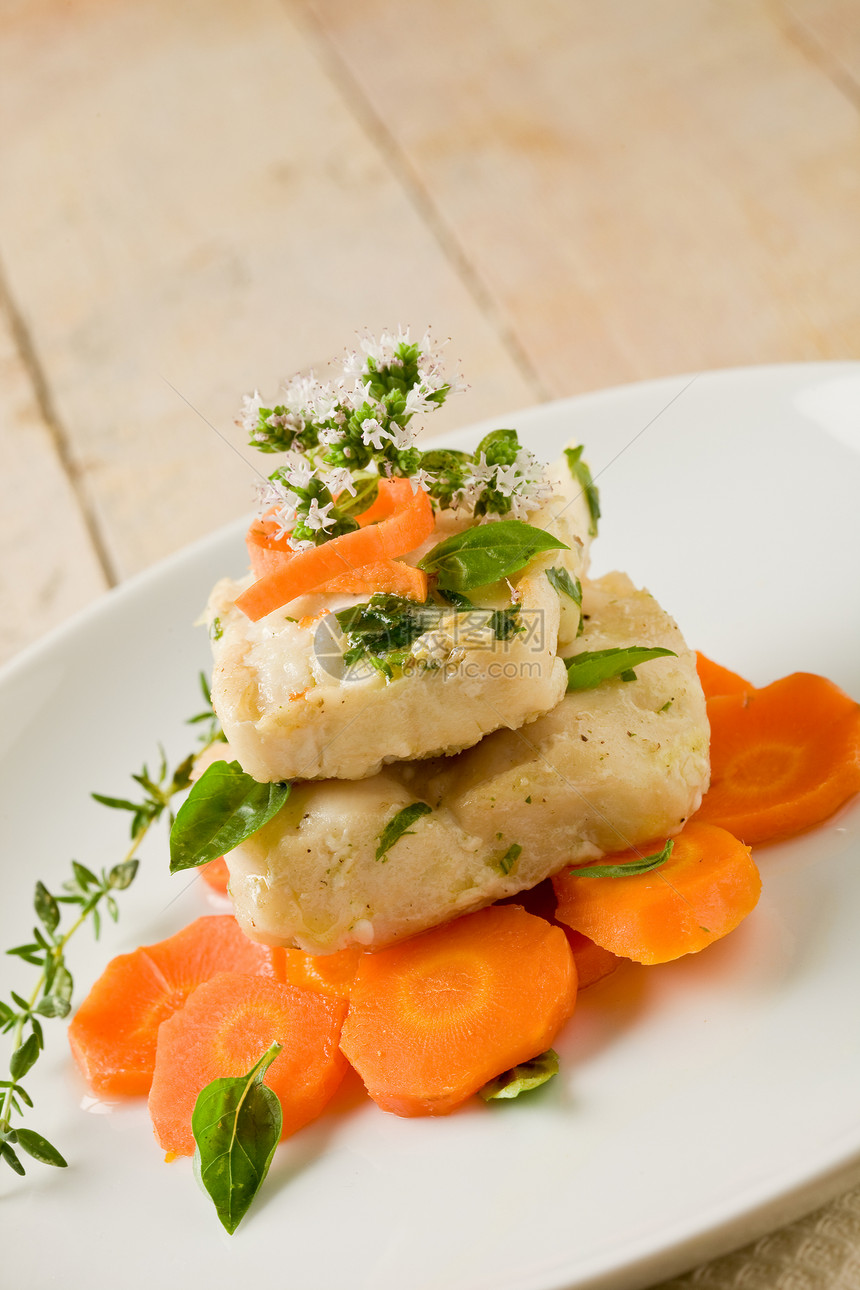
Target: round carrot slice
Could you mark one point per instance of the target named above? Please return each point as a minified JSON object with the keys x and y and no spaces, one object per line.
{"x":113,"y":1035}
{"x":783,"y":758}
{"x":225,"y":1027}
{"x":715,"y":679}
{"x":331,"y":974}
{"x":702,"y":892}
{"x":433,"y":1019}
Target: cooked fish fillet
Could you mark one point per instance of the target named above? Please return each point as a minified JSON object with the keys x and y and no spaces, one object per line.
{"x":616,"y":766}
{"x":291,"y":709}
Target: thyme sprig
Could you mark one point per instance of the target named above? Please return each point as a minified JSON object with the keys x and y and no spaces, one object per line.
{"x":88,"y":896}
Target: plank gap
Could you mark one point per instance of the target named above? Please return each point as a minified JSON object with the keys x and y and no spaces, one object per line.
{"x":799,"y":32}
{"x":59,"y":438}
{"x":345,"y":81}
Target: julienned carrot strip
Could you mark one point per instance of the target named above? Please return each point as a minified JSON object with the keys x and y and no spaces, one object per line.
{"x":330,"y":974}
{"x":783,"y":758}
{"x":433,"y":1019}
{"x":225,"y":1027}
{"x":703,"y":891}
{"x":114,"y":1032}
{"x":716,"y":679}
{"x":407,"y":525}
{"x":394,"y":576}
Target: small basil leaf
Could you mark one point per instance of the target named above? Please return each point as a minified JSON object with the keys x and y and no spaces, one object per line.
{"x":486,"y":553}
{"x":581,"y":473}
{"x":39,"y":1148}
{"x":236,"y":1124}
{"x":520,"y":1079}
{"x":400,"y":826}
{"x":224,"y":807}
{"x":591,"y":667}
{"x":645,"y":864}
{"x":565,"y":585}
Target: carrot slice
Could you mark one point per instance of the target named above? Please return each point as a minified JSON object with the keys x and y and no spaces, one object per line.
{"x":593,"y":962}
{"x":114,"y":1032}
{"x":704,"y":890}
{"x":716,"y":679}
{"x":783,"y":758}
{"x":216,"y":874}
{"x":330,"y":974}
{"x":433,"y":1019}
{"x":225,"y":1027}
{"x":407,"y":519}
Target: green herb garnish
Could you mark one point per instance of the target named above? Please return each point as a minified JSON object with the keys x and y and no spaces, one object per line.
{"x":511,"y":856}
{"x":565,"y":585}
{"x":592,"y":667}
{"x":522,"y":1078}
{"x":630,"y":869}
{"x":582,"y":474}
{"x":486,"y":553}
{"x":224,"y":807}
{"x":399,"y":826}
{"x":236,"y":1124}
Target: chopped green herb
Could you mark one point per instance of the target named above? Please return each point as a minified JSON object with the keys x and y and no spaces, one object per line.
{"x":592,"y":667}
{"x":645,"y":864}
{"x":400,"y":825}
{"x":565,"y":585}
{"x":509,"y":859}
{"x":581,"y":473}
{"x":666,"y":706}
{"x":522,"y":1078}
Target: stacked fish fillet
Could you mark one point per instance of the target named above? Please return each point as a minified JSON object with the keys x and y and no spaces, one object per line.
{"x":510,"y":776}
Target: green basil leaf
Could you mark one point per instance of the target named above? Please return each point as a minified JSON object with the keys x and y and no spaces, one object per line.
{"x":645,"y":864}
{"x":521,"y":1078}
{"x":591,"y":667}
{"x":565,"y":585}
{"x":400,"y":826}
{"x":486,"y":553}
{"x":511,"y":856}
{"x":39,"y":1148}
{"x":224,"y":807}
{"x":236,"y":1124}
{"x":581,"y":473}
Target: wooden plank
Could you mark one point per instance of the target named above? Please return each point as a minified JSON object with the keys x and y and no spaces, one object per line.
{"x":829,"y":31}
{"x":642,"y":188}
{"x":193,"y":205}
{"x":48,"y":566}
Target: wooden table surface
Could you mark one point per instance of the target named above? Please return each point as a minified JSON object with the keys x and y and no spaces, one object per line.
{"x":200,"y":198}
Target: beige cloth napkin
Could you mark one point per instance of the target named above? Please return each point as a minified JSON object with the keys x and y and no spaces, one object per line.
{"x":818,"y":1252}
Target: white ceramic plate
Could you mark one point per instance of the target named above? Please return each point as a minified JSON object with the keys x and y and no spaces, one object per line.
{"x":700,"y":1102}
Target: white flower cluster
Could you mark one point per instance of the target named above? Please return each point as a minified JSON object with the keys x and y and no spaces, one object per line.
{"x":524,"y":482}
{"x":326,"y":406}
